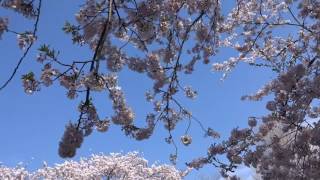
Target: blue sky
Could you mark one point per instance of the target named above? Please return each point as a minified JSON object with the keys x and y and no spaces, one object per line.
{"x":31,"y":126}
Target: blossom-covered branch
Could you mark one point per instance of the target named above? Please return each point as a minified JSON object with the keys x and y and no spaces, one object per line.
{"x":26,"y":40}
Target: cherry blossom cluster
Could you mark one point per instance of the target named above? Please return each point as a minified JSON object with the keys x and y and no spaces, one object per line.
{"x":30,"y":84}
{"x":71,"y":140}
{"x":24,"y":7}
{"x":47,"y":74}
{"x":25,"y":39}
{"x":3,"y":25}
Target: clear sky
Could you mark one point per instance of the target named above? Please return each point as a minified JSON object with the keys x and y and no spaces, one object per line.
{"x":31,"y":126}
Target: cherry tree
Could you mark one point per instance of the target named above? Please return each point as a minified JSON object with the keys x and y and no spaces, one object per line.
{"x":113,"y":166}
{"x":285,"y":143}
{"x":283,"y":35}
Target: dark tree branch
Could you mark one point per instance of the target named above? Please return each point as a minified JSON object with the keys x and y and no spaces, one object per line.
{"x":95,"y":58}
